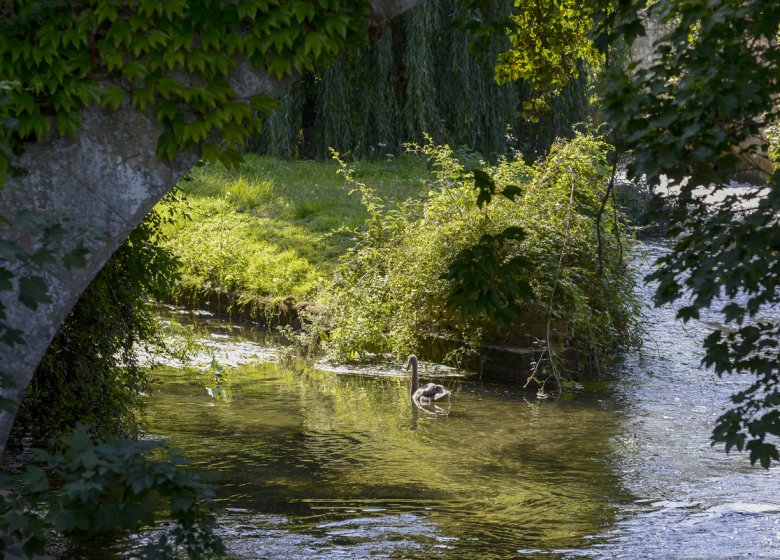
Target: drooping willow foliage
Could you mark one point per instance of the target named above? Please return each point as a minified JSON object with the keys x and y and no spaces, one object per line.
{"x":418,"y":114}
{"x":333,"y":98}
{"x":375,"y":103}
{"x":282,"y":131}
{"x":421,"y":74}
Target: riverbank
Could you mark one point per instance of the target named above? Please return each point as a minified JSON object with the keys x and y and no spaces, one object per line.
{"x":375,"y":259}
{"x":259,"y":241}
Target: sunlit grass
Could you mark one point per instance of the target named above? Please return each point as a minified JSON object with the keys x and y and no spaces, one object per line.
{"x":275,"y":229}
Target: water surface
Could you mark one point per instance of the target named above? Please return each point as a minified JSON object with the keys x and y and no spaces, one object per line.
{"x":312,"y":463}
{"x":344,"y":464}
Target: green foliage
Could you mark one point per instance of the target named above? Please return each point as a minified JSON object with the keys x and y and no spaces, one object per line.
{"x":333,"y":107}
{"x":486,"y":281}
{"x":274,"y":230}
{"x":772,"y":133}
{"x":90,"y":371}
{"x":475,"y":111}
{"x":418,"y":114}
{"x":281,"y":133}
{"x":549,"y":41}
{"x":698,"y":110}
{"x":377,"y":112}
{"x":95,"y":487}
{"x":534,"y":135}
{"x":441,"y":266}
{"x":429,"y":74}
{"x":486,"y":186}
{"x":173,"y":57}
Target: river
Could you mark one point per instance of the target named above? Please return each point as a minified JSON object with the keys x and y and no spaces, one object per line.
{"x":316,"y":463}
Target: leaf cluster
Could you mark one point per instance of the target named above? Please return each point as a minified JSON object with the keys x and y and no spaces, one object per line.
{"x":173,"y":57}
{"x":550,"y":40}
{"x":486,"y":281}
{"x":96,"y":487}
{"x":697,"y":113}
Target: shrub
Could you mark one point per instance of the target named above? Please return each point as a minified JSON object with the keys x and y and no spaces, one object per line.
{"x":96,"y":488}
{"x":404,"y":282}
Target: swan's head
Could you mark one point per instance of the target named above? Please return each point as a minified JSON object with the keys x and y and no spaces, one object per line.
{"x":412,"y":362}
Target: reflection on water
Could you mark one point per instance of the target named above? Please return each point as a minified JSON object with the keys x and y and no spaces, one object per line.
{"x":339,"y":464}
{"x":328,"y":464}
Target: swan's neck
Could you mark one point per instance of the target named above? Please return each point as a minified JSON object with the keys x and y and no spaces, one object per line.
{"x":415,"y":378}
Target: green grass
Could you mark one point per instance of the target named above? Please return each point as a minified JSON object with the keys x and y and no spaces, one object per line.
{"x":275,"y":229}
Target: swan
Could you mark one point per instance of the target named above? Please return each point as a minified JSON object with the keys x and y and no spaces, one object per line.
{"x":428,"y":392}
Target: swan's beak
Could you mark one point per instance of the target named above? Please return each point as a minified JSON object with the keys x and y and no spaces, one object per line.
{"x":408,"y":364}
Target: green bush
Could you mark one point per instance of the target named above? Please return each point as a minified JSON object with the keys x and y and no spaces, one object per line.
{"x":90,"y":372}
{"x":97,"y":488}
{"x":399,"y":287}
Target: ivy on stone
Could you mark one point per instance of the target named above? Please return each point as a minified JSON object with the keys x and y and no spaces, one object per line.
{"x":173,"y":57}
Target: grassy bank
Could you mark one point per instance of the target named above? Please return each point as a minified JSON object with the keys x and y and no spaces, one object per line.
{"x":410,"y":256}
{"x":274,"y":230}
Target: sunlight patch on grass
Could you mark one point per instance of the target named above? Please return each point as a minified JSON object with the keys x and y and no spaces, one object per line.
{"x":245,"y":195}
{"x":274,"y":229}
